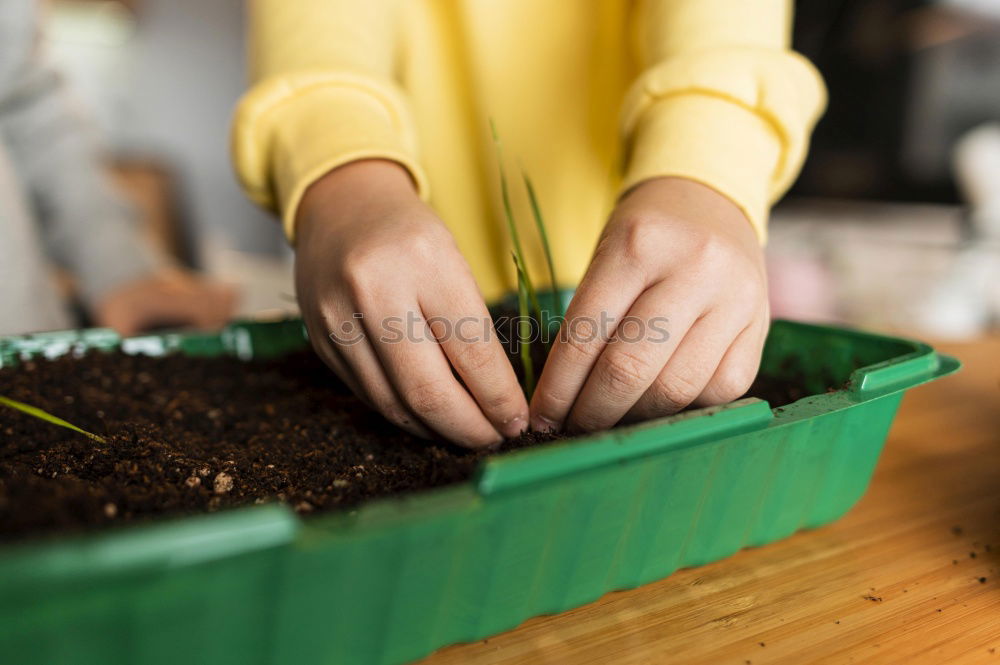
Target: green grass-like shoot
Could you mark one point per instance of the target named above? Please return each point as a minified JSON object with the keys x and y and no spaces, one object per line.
{"x":527,"y":296}
{"x":515,"y":237}
{"x":524,"y":329}
{"x":35,"y":412}
{"x":536,"y":211}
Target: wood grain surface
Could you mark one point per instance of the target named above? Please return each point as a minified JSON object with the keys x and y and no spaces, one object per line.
{"x":910,"y":575}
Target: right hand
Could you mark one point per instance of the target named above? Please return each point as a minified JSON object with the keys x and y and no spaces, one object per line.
{"x":382,"y":285}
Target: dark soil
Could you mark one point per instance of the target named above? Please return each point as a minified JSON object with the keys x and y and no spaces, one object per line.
{"x":188,"y":435}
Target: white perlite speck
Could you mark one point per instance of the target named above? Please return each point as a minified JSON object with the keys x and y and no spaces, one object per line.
{"x":223,"y":483}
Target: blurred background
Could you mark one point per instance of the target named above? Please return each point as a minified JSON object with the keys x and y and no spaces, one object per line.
{"x":893,"y":225}
{"x":161,"y":79}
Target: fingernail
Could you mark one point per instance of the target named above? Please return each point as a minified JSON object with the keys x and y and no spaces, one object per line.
{"x":543,"y":424}
{"x":514,"y":427}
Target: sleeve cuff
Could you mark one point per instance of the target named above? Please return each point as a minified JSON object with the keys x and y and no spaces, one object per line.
{"x":712,"y":141}
{"x":291,"y":130}
{"x":736,"y":119}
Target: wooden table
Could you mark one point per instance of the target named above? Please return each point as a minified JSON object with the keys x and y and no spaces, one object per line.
{"x":910,"y":575}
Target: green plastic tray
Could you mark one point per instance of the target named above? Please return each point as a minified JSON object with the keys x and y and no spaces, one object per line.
{"x":535,"y":532}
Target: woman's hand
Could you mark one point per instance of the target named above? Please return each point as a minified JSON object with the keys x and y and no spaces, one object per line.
{"x":391,"y":306}
{"x":171,"y":297}
{"x":671,"y":312}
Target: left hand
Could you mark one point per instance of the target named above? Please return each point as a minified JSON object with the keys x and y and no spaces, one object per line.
{"x":168,"y":298}
{"x":671,"y":312}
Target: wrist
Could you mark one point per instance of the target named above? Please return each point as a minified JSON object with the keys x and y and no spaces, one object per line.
{"x":349,"y":189}
{"x":679,"y":195}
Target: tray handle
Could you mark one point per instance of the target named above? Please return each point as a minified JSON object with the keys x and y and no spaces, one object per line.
{"x":894,"y":375}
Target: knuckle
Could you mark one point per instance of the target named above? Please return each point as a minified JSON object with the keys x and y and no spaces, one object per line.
{"x":427,"y":243}
{"x":422,"y":248}
{"x":579,"y":337}
{"x":358,"y":265}
{"x":551,"y":405}
{"x":361,"y":258}
{"x":579,"y":347}
{"x":584,"y":424}
{"x":428,"y":397}
{"x":423,"y":245}
{"x":714,"y":253}
{"x":730,"y":385}
{"x":504,"y":403}
{"x":474,"y":358}
{"x":624,"y":372}
{"x":711,"y":248}
{"x":751,"y":291}
{"x":643,"y":236}
{"x":674,"y":391}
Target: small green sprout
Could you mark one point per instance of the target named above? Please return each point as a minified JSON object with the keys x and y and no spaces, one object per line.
{"x":527,"y":296}
{"x":524,"y":328}
{"x":536,"y":211}
{"x":35,"y":412}
{"x":515,"y":237}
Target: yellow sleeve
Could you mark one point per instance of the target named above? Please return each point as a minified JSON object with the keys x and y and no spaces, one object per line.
{"x":323,"y":95}
{"x":720,"y":99}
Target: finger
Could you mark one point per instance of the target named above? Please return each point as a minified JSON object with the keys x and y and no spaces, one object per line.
{"x":421,"y":375}
{"x":220,"y":302}
{"x":123,"y":323}
{"x":352,"y":358}
{"x":462,"y":326}
{"x":186,"y":301}
{"x":738,"y":368}
{"x":690,"y":369}
{"x":330,"y":355}
{"x":605,"y":294}
{"x":644,"y":343}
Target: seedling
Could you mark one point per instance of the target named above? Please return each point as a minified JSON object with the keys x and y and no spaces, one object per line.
{"x":524,"y":328}
{"x":536,"y":211}
{"x":527,"y":296}
{"x":35,"y":412}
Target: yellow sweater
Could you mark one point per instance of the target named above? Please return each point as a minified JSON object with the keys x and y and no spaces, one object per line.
{"x":589,"y":97}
